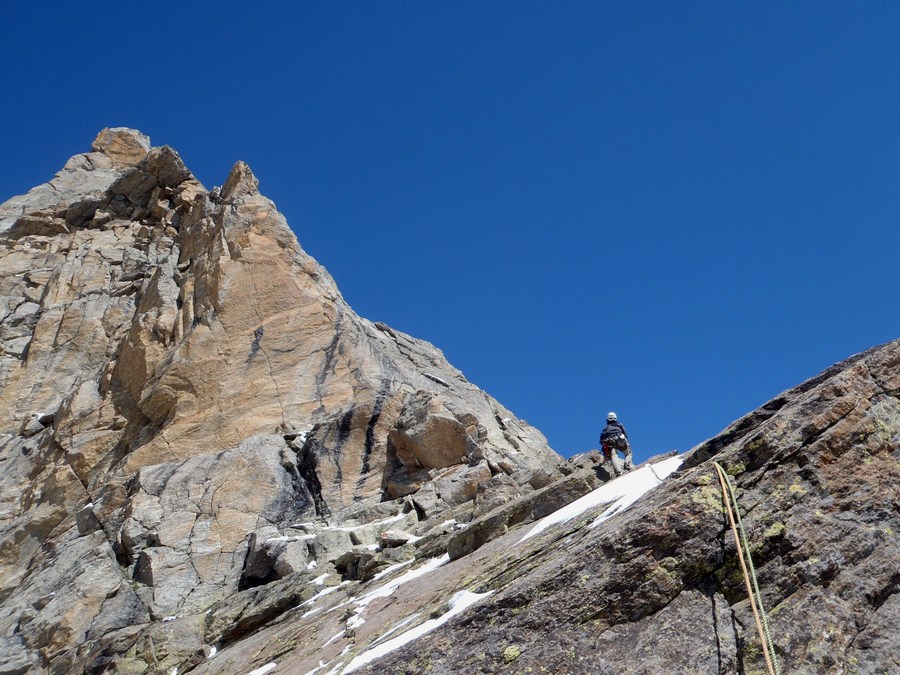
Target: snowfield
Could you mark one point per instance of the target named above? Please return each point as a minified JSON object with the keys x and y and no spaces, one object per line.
{"x":458,"y":604}
{"x":620,"y":493}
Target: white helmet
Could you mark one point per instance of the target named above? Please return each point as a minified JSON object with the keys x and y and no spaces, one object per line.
{"x":612,"y":417}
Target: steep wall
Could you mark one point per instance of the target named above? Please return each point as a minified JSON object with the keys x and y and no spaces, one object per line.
{"x":180,"y":383}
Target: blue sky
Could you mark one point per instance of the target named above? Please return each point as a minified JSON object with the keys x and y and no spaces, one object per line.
{"x":671,"y":210}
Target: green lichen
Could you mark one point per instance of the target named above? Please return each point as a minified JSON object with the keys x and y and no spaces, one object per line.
{"x":797,"y":489}
{"x":703,"y":479}
{"x":511,"y":653}
{"x":669,"y":563}
{"x":736,"y":469}
{"x":660,"y":576}
{"x":709,"y":497}
{"x":774,"y":530}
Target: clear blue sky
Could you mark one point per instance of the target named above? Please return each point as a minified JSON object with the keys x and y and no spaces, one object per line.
{"x":672,"y":210}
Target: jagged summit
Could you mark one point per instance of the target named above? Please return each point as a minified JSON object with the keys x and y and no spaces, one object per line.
{"x":210,"y":463}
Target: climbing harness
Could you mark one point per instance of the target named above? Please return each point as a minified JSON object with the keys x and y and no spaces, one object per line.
{"x":753,"y":592}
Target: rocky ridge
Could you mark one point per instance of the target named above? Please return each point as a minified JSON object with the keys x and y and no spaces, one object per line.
{"x":189,"y":409}
{"x":655,"y":587}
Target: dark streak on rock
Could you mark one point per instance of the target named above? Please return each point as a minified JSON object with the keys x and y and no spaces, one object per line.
{"x":257,"y":338}
{"x":306,"y":467}
{"x":370,"y":429}
{"x":345,"y":426}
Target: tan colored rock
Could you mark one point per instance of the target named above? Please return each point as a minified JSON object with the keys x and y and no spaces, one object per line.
{"x":178,"y":377}
{"x":122,"y":145}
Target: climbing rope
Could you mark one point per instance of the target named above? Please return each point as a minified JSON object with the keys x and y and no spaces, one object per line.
{"x":753,"y":592}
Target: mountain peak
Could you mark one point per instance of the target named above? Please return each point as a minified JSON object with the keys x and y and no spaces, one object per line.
{"x":122,"y":145}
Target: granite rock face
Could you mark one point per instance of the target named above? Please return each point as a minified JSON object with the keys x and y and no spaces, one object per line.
{"x":189,"y":409}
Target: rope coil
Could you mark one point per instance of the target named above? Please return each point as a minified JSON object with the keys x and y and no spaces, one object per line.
{"x":753,"y":592}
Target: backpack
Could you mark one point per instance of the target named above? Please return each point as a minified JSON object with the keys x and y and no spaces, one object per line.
{"x":614,"y":436}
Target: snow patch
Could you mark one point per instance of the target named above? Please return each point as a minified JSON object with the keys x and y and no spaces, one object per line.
{"x":621,"y":493}
{"x":389,"y":588}
{"x":320,"y":580}
{"x":396,"y":628}
{"x":319,"y":595}
{"x":458,"y":604}
{"x":288,"y":538}
{"x":333,"y":638}
{"x":212,"y":652}
{"x":356,"y":620}
{"x":435,"y":378}
{"x":386,"y":521}
{"x":319,"y":667}
{"x":263,"y":670}
{"x":391,"y":569}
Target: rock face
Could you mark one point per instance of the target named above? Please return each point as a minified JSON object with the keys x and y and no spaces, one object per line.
{"x":188,"y":408}
{"x":658,"y":589}
{"x":210,"y":464}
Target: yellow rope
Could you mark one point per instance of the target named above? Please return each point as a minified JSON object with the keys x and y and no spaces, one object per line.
{"x":753,"y":593}
{"x":762,"y":609}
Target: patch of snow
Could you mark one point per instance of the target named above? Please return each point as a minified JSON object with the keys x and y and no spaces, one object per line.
{"x":389,"y":588}
{"x":263,"y":670}
{"x":446,"y":523}
{"x":356,"y":620}
{"x":458,"y":604}
{"x":386,"y":521}
{"x":396,"y":628}
{"x":621,"y":493}
{"x":212,"y":652}
{"x":169,"y":618}
{"x":287,"y":538}
{"x":392,"y":568}
{"x":435,"y":378}
{"x":311,"y":565}
{"x":320,"y":580}
{"x":333,"y":638}
{"x":321,"y":594}
{"x":314,"y":610}
{"x":319,"y":667}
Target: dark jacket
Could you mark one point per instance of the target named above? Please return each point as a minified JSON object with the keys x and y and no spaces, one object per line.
{"x":610,"y":435}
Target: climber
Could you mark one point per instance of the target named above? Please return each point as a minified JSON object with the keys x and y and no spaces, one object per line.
{"x":615,"y":438}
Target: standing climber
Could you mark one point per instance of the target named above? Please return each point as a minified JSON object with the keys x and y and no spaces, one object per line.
{"x":615,"y":438}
